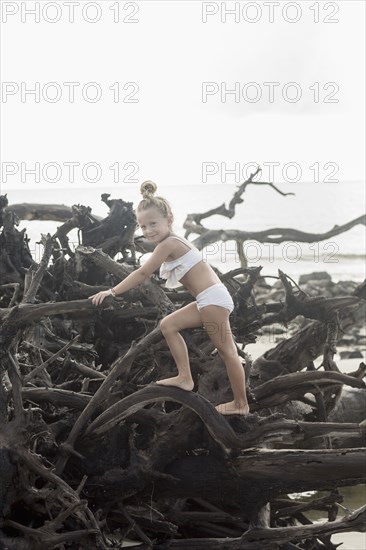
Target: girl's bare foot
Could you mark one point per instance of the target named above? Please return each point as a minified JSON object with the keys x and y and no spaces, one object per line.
{"x":178,"y":382}
{"x":233,"y":408}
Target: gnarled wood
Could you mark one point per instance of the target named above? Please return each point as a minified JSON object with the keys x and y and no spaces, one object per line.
{"x":84,"y":427}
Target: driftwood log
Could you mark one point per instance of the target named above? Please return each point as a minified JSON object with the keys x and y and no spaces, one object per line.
{"x":93,"y":452}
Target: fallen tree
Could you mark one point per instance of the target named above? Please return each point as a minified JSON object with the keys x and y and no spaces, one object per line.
{"x":92,"y":451}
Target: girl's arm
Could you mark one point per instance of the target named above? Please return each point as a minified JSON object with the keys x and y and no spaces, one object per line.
{"x":134,"y":279}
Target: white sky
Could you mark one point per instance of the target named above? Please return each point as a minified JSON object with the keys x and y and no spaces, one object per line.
{"x":170,"y":132}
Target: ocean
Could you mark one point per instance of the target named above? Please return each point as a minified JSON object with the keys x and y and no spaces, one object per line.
{"x":314,"y":208}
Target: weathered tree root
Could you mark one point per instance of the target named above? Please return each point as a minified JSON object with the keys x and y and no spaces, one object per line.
{"x":267,"y":539}
{"x":166,"y":471}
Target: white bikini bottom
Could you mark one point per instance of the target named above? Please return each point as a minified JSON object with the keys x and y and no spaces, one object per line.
{"x":215,"y":295}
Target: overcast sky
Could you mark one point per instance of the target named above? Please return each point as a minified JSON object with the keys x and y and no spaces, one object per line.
{"x":164,"y":71}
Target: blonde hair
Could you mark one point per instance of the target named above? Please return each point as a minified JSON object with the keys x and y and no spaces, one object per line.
{"x":148,"y":189}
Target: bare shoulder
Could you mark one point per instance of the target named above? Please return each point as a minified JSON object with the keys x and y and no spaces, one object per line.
{"x":174,"y":247}
{"x":165,"y":249}
{"x":160,"y":254}
{"x":168,"y":245}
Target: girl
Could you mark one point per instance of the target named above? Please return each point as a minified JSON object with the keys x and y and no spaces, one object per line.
{"x":181,"y":263}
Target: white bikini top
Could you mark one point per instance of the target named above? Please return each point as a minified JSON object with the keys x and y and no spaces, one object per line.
{"x":176,"y":269}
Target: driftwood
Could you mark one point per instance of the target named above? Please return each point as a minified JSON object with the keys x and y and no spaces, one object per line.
{"x":34,"y":211}
{"x":92,"y":451}
{"x":274,"y":235}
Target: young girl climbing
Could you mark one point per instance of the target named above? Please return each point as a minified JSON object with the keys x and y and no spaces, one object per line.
{"x":182,"y":263}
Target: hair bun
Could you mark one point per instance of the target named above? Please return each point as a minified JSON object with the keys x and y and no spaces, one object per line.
{"x":148,"y":188}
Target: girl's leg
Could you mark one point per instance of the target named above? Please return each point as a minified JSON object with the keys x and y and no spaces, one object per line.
{"x":216,"y":321}
{"x":186,"y":317}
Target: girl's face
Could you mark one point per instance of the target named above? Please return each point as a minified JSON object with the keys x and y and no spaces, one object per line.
{"x":154,"y":226}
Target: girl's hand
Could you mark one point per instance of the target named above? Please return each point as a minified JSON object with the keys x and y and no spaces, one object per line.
{"x":98,"y":298}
